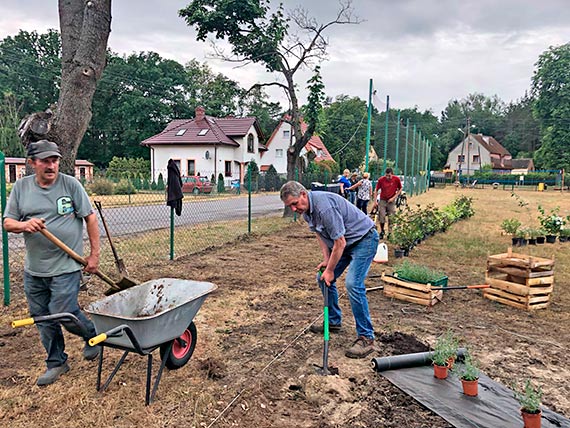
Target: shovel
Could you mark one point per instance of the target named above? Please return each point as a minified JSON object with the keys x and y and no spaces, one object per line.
{"x":118,"y":262}
{"x":115,"y":286}
{"x":325,"y":369}
{"x":461,"y":287}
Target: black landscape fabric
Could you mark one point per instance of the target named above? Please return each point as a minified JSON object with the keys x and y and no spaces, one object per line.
{"x":494,"y":407}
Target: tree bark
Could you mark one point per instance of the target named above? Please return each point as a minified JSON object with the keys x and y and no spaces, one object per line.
{"x":85,"y":28}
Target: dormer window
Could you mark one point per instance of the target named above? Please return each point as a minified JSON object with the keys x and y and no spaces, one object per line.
{"x":250,"y":148}
{"x":180,"y":132}
{"x":203,"y":131}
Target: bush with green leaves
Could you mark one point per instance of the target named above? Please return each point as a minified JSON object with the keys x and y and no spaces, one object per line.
{"x":551,"y":222}
{"x":529,"y":398}
{"x":101,"y":186}
{"x":221,"y":186}
{"x":125,"y":187}
{"x":160,"y":183}
{"x":510,"y":225}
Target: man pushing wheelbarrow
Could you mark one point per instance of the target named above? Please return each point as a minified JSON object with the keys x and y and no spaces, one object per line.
{"x":51,"y":278}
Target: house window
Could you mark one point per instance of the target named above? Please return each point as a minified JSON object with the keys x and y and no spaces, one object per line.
{"x":250,"y":143}
{"x":82,"y":173}
{"x":286,"y":133}
{"x":320,"y":153}
{"x":278,"y":153}
{"x":461,"y":158}
{"x":203,"y":131}
{"x":476,"y":159}
{"x":177,"y":162}
{"x":180,"y":132}
{"x":228,"y":168}
{"x":191,"y":167}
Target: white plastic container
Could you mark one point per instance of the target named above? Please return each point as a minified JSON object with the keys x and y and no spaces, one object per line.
{"x":381,"y":253}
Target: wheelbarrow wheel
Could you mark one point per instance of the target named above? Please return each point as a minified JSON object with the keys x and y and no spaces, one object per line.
{"x":181,"y":350}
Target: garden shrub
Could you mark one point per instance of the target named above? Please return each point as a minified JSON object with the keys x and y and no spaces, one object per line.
{"x":101,"y":186}
{"x":125,"y":187}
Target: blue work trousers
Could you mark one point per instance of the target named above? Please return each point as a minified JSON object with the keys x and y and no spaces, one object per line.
{"x":53,"y":295}
{"x":358,"y":258}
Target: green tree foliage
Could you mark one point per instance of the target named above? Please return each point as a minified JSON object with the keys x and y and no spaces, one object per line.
{"x":30,"y":66}
{"x":551,"y":89}
{"x":256,"y":104}
{"x":9,"y":119}
{"x":128,"y":168}
{"x":272,"y":180}
{"x":160,"y":182}
{"x":520,"y":128}
{"x":343,"y":130}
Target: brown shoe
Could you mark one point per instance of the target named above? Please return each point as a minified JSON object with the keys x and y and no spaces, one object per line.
{"x":361,"y":348}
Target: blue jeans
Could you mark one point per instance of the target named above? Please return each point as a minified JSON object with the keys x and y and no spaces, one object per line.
{"x":358,"y":258}
{"x":53,"y":295}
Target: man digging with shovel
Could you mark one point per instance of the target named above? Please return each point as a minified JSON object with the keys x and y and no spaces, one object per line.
{"x":347,"y":238}
{"x":56,"y":201}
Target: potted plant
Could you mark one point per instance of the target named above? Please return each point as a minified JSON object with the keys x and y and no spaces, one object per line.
{"x":530,"y":399}
{"x":510,"y":226}
{"x":419,"y":273}
{"x":552,"y":223}
{"x":541,"y":238}
{"x":521,"y":234}
{"x":444,"y":349}
{"x":564,"y":235}
{"x":533,"y":234}
{"x":468,"y":373}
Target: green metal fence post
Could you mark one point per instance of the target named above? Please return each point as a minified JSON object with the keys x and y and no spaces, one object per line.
{"x":249,"y":199}
{"x":429,"y":165}
{"x":5,"y":255}
{"x":386,"y":134}
{"x":171,"y":233}
{"x":369,"y":125}
{"x":396,"y":168}
{"x":406,"y":156}
{"x":412,"y":172}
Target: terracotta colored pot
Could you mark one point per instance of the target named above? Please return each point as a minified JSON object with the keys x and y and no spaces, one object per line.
{"x":440,"y":372}
{"x":450,"y":362}
{"x":470,"y":387}
{"x":531,"y":420}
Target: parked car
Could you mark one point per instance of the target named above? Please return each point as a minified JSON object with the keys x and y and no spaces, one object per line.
{"x":196,"y":184}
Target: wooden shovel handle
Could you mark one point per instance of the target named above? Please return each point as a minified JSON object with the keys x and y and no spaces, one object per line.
{"x":56,"y":241}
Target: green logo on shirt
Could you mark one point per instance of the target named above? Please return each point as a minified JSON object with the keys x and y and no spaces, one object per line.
{"x":65,"y":205}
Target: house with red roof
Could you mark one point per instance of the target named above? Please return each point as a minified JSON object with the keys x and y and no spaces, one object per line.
{"x":15,"y":168}
{"x":476,"y":151}
{"x":280,"y":140}
{"x":207,"y":145}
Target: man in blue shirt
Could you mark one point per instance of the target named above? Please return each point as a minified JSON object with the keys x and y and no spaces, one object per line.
{"x":347,"y":238}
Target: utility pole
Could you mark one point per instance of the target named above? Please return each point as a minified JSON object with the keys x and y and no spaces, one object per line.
{"x":368,"y":127}
{"x":397,"y":169}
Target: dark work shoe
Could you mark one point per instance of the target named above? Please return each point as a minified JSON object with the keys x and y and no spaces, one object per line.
{"x":361,"y":348}
{"x":320,"y":328}
{"x":51,"y":375}
{"x":382,"y":235}
{"x":91,"y":352}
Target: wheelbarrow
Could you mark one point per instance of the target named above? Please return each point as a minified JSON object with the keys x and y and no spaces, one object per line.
{"x":157,"y":314}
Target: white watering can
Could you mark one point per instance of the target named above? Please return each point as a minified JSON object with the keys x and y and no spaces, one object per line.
{"x":381,"y":253}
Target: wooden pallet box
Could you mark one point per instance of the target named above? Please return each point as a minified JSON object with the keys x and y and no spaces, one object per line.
{"x":520,"y":280}
{"x":409,"y":291}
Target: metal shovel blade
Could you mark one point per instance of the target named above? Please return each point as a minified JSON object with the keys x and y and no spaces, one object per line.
{"x":325,"y":369}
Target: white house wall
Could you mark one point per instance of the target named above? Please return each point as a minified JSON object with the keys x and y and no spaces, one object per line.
{"x":279,"y":142}
{"x":475,"y":149}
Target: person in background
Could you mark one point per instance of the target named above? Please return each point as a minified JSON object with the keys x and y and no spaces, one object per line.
{"x":58,"y":202}
{"x":344,"y":183}
{"x":389,"y":186}
{"x":351,"y":192}
{"x":348,"y":239}
{"x":363,"y":189}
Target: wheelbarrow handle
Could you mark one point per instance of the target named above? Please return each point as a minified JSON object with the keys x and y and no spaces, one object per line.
{"x":97,"y":339}
{"x":461,"y":287}
{"x":63,"y":316}
{"x":56,"y":241}
{"x":23,"y":322}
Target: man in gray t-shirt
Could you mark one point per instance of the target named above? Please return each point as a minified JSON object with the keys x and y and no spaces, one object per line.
{"x":59,"y":203}
{"x":348,"y":239}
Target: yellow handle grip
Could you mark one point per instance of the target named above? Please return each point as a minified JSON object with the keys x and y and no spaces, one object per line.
{"x":22,"y":323}
{"x":97,"y":339}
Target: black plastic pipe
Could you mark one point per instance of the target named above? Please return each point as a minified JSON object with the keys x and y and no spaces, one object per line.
{"x":408,"y":360}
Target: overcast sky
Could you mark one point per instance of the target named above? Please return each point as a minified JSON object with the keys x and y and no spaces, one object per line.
{"x":420,"y":52}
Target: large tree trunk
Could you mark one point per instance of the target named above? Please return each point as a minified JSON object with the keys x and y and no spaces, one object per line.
{"x":85,"y":28}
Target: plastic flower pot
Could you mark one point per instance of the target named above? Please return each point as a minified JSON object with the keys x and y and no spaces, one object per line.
{"x":440,"y":372}
{"x":550,"y":239}
{"x":531,"y":420}
{"x":470,"y":387}
{"x":540,"y":239}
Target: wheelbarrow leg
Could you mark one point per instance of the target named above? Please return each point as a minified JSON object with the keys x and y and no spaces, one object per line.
{"x":150,"y":395}
{"x":113,"y":373}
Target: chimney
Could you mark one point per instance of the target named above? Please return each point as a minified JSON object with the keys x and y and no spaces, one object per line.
{"x":200,"y":113}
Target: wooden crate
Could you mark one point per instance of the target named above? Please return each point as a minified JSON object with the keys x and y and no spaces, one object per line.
{"x":520,"y":280}
{"x":409,"y":291}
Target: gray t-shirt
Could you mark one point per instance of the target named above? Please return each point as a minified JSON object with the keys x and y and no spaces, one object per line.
{"x":63,"y":205}
{"x":332,"y":217}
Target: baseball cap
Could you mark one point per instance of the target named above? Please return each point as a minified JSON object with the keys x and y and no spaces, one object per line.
{"x":43,"y":149}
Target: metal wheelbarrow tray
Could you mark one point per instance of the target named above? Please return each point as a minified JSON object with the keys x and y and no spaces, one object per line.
{"x":154,"y":314}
